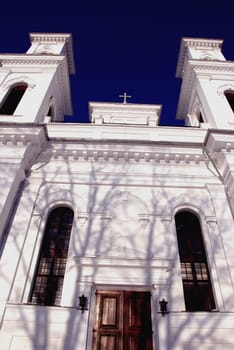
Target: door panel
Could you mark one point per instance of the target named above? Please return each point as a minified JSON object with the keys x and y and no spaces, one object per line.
{"x":137,"y":325}
{"x":122,"y":321}
{"x":107,"y":332}
{"x":108,"y":342}
{"x":109,"y":311}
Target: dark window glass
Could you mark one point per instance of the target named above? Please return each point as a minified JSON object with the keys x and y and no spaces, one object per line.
{"x":50,"y":112}
{"x":230,"y":98}
{"x":194,"y":269}
{"x":12,"y":100}
{"x":48,"y":282}
{"x":201,"y":119}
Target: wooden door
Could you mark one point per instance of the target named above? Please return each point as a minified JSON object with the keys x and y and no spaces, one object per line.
{"x":122,"y":321}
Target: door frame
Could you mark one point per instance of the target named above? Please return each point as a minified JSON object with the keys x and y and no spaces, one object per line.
{"x":136,"y":288}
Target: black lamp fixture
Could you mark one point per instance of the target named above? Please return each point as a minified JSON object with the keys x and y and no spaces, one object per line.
{"x":83,"y":303}
{"x":163,"y":307}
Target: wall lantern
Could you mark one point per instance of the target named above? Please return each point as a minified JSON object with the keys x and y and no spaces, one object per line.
{"x":163,"y":306}
{"x":83,"y":303}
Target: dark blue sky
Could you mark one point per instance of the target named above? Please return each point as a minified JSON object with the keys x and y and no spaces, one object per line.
{"x":126,"y":47}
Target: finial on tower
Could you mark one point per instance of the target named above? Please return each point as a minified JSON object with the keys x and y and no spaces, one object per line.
{"x":125,"y":96}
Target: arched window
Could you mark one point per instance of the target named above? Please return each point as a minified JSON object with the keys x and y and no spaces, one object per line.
{"x":194,"y":268}
{"x":12,"y":99}
{"x":230,"y":97}
{"x":48,"y":282}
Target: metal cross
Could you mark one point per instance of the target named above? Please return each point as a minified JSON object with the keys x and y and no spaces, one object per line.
{"x":125,"y":96}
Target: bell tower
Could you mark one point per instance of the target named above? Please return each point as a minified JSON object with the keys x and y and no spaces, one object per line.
{"x":207,"y":101}
{"x":207,"y":91}
{"x":34,"y":91}
{"x":35,"y":87}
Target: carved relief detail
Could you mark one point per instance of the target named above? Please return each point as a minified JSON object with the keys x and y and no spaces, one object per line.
{"x":45,"y":49}
{"x":126,"y":230}
{"x":208,"y":55}
{"x":128,"y":208}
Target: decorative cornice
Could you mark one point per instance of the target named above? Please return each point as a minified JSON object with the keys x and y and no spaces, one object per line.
{"x":57,"y":38}
{"x":202,"y":43}
{"x":128,"y":107}
{"x":98,"y":154}
{"x":212,"y":66}
{"x":217,"y":142}
{"x":49,"y":37}
{"x":21,"y":135}
{"x":22,"y":59}
{"x":194,"y":43}
{"x":14,"y":140}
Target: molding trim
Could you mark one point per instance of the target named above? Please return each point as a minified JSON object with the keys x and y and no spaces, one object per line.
{"x":123,"y":270}
{"x":48,"y":38}
{"x":213,"y":66}
{"x":226,"y":87}
{"x":21,"y":79}
{"x":207,"y":44}
{"x":18,"y":135}
{"x":30,"y":59}
{"x":110,"y":155}
{"x":124,"y":107}
{"x":118,"y":261}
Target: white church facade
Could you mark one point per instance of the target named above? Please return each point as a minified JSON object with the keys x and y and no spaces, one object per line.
{"x":116,"y":234}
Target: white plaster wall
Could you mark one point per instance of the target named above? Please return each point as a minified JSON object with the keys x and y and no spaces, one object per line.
{"x":123,"y":236}
{"x":11,"y":177}
{"x":190,"y":331}
{"x":215,"y":105}
{"x":32,"y":327}
{"x":11,"y":257}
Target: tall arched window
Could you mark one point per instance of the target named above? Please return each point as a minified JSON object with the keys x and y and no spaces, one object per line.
{"x":198,"y":292}
{"x":48,"y":281}
{"x":13,"y":98}
{"x":230,"y":97}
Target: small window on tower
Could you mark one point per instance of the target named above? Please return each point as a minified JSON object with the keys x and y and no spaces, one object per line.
{"x":13,"y":99}
{"x":230,"y":97}
{"x":201,"y":119}
{"x":50,"y":112}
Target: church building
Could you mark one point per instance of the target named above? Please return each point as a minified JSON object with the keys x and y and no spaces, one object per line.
{"x":116,"y":234}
